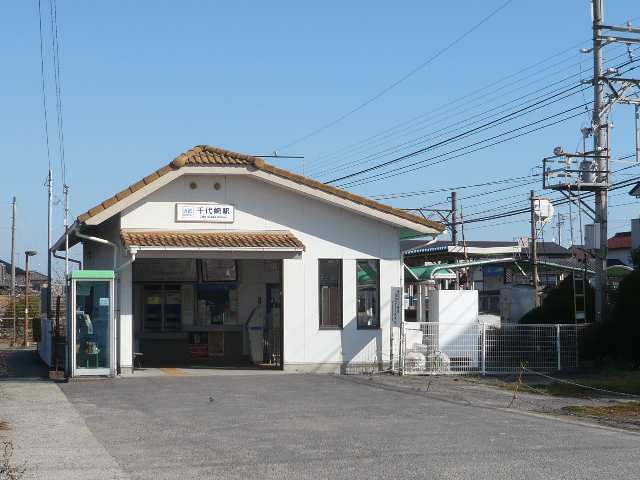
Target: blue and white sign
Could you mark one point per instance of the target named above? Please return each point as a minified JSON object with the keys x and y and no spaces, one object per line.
{"x":204,"y":212}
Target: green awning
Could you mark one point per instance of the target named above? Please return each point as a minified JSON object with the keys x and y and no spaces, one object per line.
{"x":423,"y":273}
{"x":366,"y":274}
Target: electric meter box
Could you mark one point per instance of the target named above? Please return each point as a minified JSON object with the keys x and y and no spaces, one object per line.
{"x":91,"y":328}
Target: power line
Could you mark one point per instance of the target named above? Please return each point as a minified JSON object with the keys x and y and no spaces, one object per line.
{"x":44,"y":92}
{"x":423,"y":163}
{"x":55,"y":47}
{"x":446,"y":189}
{"x":526,"y":108}
{"x":438,"y":144}
{"x":557,"y":96}
{"x":400,"y":80}
{"x":325,"y":168}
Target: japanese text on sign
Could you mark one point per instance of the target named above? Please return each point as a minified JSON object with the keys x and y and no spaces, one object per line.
{"x":204,"y":212}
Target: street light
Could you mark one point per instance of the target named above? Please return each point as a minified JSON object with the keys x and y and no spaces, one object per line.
{"x":27,"y":254}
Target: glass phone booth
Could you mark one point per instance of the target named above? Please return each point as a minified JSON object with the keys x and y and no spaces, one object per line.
{"x":91,"y":325}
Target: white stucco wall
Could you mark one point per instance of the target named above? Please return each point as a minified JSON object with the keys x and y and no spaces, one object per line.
{"x":326,"y":231}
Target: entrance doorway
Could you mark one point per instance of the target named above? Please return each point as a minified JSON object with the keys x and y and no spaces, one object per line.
{"x":208,"y":312}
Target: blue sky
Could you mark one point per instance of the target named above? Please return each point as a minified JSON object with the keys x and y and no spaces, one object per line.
{"x":144,"y":81}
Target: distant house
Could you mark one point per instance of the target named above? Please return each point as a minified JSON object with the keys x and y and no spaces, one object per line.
{"x":37,"y":280}
{"x":490,"y":279}
{"x":619,"y":247}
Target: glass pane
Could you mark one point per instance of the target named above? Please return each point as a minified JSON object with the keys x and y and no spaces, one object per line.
{"x":367,"y":280}
{"x":92,"y":324}
{"x":330,"y":292}
{"x":152,"y":308}
{"x":172,"y":308}
{"x":216,"y":305}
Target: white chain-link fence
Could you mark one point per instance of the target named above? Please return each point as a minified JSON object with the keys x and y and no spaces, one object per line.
{"x":435,"y":348}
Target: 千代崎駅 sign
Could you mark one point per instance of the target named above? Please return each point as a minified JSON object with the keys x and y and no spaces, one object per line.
{"x":204,"y":212}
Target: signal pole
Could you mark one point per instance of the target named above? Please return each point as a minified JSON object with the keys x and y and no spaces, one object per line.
{"x":600,"y":127}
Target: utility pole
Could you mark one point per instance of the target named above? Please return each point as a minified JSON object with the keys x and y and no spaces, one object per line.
{"x":49,"y":215}
{"x":559,"y":224}
{"x":600,"y":129}
{"x":13,"y":267}
{"x":533,"y":249}
{"x":66,"y":234}
{"x":454,"y":218}
{"x":592,"y":174}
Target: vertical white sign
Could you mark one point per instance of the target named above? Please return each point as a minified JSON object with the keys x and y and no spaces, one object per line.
{"x":396,"y":306}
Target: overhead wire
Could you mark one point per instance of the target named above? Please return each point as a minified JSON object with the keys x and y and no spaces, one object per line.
{"x":43,"y":88}
{"x":325,"y":168}
{"x":437,"y":159}
{"x":402,"y":79}
{"x":53,"y":12}
{"x":451,"y":139}
{"x":448,"y":106}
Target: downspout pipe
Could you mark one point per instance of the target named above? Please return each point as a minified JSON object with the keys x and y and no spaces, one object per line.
{"x":72,"y":260}
{"x":99,"y":240}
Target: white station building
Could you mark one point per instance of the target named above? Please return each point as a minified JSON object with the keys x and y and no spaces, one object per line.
{"x":219,"y":258}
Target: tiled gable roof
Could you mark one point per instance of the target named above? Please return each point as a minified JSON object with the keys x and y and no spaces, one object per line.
{"x":206,"y":155}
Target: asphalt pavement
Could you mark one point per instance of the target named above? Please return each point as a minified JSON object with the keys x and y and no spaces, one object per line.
{"x":313,"y":426}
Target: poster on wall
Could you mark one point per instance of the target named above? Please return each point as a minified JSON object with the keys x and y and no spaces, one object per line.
{"x":218,"y":270}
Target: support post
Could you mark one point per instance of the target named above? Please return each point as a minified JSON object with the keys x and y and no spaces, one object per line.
{"x":49,"y":226}
{"x":484,"y":348}
{"x":600,"y":126}
{"x":25,"y":342}
{"x":454,"y":218}
{"x":558,"y":345}
{"x":533,"y":257}
{"x":637,"y":107}
{"x":13,"y":267}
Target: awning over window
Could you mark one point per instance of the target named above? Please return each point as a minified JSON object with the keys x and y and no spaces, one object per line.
{"x":211,"y":240}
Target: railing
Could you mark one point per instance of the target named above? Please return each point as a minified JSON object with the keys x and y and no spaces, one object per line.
{"x":446,"y":348}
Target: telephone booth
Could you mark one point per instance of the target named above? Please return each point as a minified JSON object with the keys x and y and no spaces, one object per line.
{"x":91,"y":326}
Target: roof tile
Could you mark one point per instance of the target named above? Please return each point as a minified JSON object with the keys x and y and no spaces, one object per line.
{"x":210,"y":239}
{"x":204,"y":155}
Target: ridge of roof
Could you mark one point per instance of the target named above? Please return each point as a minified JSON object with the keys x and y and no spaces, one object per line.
{"x":206,"y":155}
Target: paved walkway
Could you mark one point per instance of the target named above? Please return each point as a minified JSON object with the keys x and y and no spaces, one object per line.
{"x":48,"y":433}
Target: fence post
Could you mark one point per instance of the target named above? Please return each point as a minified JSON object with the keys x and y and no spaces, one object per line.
{"x":402,"y":349}
{"x":558,"y":344}
{"x":484,"y":348}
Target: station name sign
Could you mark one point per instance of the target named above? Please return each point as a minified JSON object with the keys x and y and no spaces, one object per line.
{"x":204,"y":212}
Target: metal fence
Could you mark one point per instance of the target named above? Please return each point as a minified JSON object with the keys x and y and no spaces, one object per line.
{"x":435,"y":348}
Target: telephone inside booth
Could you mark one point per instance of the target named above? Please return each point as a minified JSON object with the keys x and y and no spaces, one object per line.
{"x":91,"y":324}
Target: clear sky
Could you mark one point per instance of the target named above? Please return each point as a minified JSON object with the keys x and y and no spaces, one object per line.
{"x":143,"y":81}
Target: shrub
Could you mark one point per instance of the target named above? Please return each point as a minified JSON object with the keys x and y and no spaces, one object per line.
{"x":558,"y":307}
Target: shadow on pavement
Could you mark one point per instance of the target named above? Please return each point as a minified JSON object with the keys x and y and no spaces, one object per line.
{"x":21,"y":364}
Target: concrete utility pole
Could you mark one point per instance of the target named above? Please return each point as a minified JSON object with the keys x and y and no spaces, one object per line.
{"x":533,"y":248}
{"x":13,"y":267}
{"x":49,"y":215}
{"x":66,"y":233}
{"x":600,"y":126}
{"x":594,"y":169}
{"x":454,"y":218}
{"x":559,"y":224}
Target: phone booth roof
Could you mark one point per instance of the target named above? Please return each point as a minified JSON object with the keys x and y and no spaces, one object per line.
{"x":92,"y":274}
